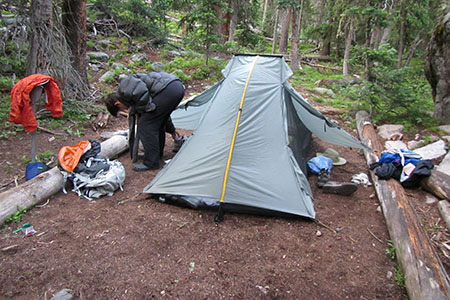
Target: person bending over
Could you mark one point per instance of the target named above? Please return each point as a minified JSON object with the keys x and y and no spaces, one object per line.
{"x":150,"y":98}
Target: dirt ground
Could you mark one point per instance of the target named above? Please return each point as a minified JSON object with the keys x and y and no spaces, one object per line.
{"x":144,"y":249}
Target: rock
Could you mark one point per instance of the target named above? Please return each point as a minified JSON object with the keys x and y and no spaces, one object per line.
{"x":445,"y":128}
{"x":432,"y":151}
{"x":174,"y":53}
{"x":116,"y":66}
{"x":139,"y":57}
{"x":444,"y":209}
{"x":157,"y":66}
{"x":318,"y":233}
{"x":95,"y":67}
{"x":395,"y":145}
{"x":415,"y":144}
{"x":107,"y":74}
{"x":387,"y":130}
{"x":325,"y":91}
{"x":389,"y":275}
{"x":446,"y":137}
{"x":444,"y":166}
{"x":430,"y":199}
{"x":97,"y":55}
{"x":64,"y":294}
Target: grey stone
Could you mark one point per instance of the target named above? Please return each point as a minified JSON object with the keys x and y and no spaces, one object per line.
{"x":387,"y":130}
{"x":95,"y":67}
{"x":446,"y":137}
{"x":97,"y":55}
{"x":325,"y":91}
{"x":444,"y":209}
{"x":64,"y":294}
{"x":139,"y":57}
{"x":174,"y":53}
{"x":105,"y":76}
{"x":432,"y":151}
{"x":430,"y":199}
{"x":444,"y":166}
{"x":157,"y":66}
{"x":395,"y":145}
{"x":115,"y":66}
{"x":445,"y":128}
{"x":415,"y":144}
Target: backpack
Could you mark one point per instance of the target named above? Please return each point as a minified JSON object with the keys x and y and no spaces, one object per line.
{"x":92,"y":177}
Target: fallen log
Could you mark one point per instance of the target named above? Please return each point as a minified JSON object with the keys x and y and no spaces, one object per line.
{"x":48,"y":183}
{"x":438,"y":184}
{"x":425,"y":276}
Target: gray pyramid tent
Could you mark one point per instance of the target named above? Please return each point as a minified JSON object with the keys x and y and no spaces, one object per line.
{"x":251,"y":134}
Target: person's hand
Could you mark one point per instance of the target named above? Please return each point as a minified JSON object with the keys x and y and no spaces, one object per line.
{"x":175,"y":135}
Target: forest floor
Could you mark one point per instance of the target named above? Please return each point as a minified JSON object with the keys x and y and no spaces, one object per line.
{"x":145,"y":249}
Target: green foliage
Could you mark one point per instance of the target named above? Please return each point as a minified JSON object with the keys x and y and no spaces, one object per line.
{"x":391,"y":250}
{"x":17,"y":216}
{"x":399,"y":277}
{"x":137,"y":17}
{"x":201,"y":21}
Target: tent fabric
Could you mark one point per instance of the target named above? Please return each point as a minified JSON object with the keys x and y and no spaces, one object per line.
{"x":268,"y":167}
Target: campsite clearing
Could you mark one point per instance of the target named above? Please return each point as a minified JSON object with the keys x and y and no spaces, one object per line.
{"x":143,"y":248}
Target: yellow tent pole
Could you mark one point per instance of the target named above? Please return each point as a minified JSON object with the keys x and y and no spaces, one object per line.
{"x":236,"y":125}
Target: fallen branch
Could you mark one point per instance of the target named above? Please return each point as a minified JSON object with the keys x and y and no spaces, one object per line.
{"x":321,"y":66}
{"x":49,"y":131}
{"x":323,"y":225}
{"x":374,"y":235}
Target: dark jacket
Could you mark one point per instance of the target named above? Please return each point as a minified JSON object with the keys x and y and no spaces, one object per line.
{"x":138,"y":90}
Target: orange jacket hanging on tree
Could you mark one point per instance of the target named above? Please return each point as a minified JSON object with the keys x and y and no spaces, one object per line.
{"x":21,"y":109}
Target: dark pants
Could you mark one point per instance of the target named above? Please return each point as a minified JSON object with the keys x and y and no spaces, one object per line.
{"x":151,"y":125}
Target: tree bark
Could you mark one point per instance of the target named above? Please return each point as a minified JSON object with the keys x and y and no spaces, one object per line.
{"x":425,"y":276}
{"x":437,"y":69}
{"x":74,"y":22}
{"x":326,"y":43}
{"x":41,"y":27}
{"x":402,"y":32}
{"x":286,"y":20}
{"x":46,"y":184}
{"x":233,"y":19}
{"x":275,"y":32}
{"x":348,"y":43}
{"x":266,"y":2}
{"x":294,"y":42}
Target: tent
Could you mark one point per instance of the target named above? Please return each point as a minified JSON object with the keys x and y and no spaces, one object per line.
{"x":251,"y":134}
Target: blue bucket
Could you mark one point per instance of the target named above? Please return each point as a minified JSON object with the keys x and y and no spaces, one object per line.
{"x":34,"y":169}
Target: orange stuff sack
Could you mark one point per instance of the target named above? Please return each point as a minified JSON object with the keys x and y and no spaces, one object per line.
{"x":69,"y":156}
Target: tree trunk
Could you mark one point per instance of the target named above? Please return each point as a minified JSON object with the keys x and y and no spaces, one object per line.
{"x":41,"y":28}
{"x":437,"y":69}
{"x":412,"y":50}
{"x":348,"y":43}
{"x":74,"y":22}
{"x":222,"y":28}
{"x":275,"y":32}
{"x":425,"y":276}
{"x":286,"y":20}
{"x":294,"y":42}
{"x":233,"y":19}
{"x":326,"y":43}
{"x":46,"y":184}
{"x":438,"y":184}
{"x":266,"y":3}
{"x":402,"y":34}
{"x":367,"y":46}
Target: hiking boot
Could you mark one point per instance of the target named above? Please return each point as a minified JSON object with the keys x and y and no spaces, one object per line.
{"x":141,"y":167}
{"x":340,"y":188}
{"x":323,"y":178}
